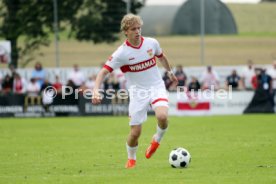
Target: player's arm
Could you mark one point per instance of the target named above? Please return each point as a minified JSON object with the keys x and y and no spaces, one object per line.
{"x":165,"y":63}
{"x":96,"y":96}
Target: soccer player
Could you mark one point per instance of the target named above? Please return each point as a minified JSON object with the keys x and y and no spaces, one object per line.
{"x":136,"y":59}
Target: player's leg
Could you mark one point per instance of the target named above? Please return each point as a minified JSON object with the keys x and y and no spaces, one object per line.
{"x":132,"y":144}
{"x":138,"y":114}
{"x":160,"y":106}
{"x":161,"y":113}
{"x":159,"y":103}
{"x":134,"y":134}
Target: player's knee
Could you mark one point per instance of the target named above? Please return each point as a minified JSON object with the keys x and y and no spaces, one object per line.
{"x":162,"y":117}
{"x":136,"y":133}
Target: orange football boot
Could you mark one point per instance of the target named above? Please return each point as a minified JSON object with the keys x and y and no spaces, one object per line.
{"x":130,"y":164}
{"x":151,"y":149}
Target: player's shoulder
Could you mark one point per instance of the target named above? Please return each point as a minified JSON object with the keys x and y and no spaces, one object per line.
{"x":150,"y":39}
{"x":119,"y":51}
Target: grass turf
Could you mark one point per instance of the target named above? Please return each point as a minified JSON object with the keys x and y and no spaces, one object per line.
{"x":224,"y":149}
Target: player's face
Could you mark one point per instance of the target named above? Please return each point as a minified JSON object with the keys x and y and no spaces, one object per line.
{"x":134,"y":32}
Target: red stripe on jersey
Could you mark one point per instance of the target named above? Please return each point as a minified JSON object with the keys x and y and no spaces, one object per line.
{"x":108,"y":68}
{"x":138,"y":67}
{"x":195,"y":107}
{"x":159,"y":56}
{"x":138,"y":47}
{"x":159,"y":99}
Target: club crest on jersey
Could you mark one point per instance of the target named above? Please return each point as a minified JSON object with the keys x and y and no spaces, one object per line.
{"x":150,"y":53}
{"x":110,"y":58}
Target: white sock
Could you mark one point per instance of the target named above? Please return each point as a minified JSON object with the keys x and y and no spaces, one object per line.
{"x":159,"y":134}
{"x":131,"y":152}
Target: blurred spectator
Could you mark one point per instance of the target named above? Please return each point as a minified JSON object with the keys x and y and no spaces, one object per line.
{"x":247,"y":74}
{"x":262,"y":80}
{"x":7,"y":84}
{"x":194,"y":84}
{"x":19,"y":84}
{"x":210,"y":78}
{"x":90,"y":83}
{"x":33,"y":87}
{"x":1,"y":78}
{"x":266,"y":81}
{"x":45,"y":85}
{"x":71,"y":91}
{"x":262,"y":100}
{"x":121,"y":79}
{"x":39,"y":74}
{"x":272,"y":73}
{"x":76,"y":76}
{"x":4,"y":57}
{"x":168,"y":82}
{"x":180,"y":75}
{"x":57,"y":84}
{"x":47,"y":94}
{"x":254,"y":80}
{"x":111,"y":82}
{"x":70,"y":84}
{"x":233,"y":80}
{"x":12,"y":70}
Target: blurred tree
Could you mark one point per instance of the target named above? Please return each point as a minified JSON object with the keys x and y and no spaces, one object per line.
{"x":99,"y":20}
{"x":32,"y":21}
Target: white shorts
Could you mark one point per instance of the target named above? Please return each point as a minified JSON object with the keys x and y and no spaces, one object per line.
{"x":142,"y":99}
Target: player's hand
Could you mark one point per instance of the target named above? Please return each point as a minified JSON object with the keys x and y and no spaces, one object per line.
{"x":96,"y":97}
{"x":173,"y":78}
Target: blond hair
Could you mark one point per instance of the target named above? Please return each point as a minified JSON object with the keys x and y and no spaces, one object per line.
{"x":129,"y":20}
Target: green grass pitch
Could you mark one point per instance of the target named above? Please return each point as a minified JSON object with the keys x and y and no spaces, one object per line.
{"x":224,"y":149}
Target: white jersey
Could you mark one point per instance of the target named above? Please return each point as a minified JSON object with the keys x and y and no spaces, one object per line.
{"x":138,"y":63}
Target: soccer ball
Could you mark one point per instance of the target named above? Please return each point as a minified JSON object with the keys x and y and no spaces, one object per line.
{"x":179,"y":158}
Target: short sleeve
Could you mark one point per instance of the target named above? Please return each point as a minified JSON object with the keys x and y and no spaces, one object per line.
{"x":113,"y":62}
{"x":158,"y":49}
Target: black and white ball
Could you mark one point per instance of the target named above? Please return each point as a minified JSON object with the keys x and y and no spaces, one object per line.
{"x":180,"y":158}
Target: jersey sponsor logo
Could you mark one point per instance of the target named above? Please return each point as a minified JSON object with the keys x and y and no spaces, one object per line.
{"x":130,"y":59}
{"x":138,"y":67}
{"x":150,"y":53}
